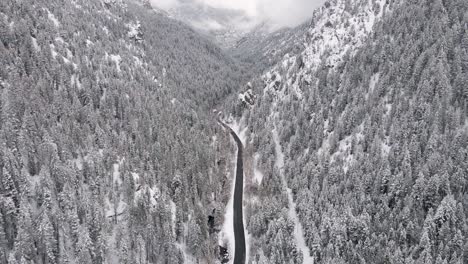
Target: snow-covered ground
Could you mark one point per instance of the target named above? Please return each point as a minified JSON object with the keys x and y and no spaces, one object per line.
{"x":53,"y":19}
{"x":116,"y":172}
{"x":35,"y":45}
{"x":182,"y":246}
{"x":372,"y":83}
{"x":328,"y":42}
{"x":240,"y":129}
{"x":226,"y":236}
{"x":117,"y":59}
{"x":298,"y":232}
{"x":258,"y":175}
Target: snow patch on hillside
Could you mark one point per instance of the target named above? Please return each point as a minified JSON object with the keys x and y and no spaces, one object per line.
{"x":248,"y":237}
{"x":53,"y":18}
{"x":372,"y":83}
{"x":226,"y":236}
{"x":298,"y":232}
{"x":173,"y":217}
{"x":336,"y":38}
{"x":116,"y":172}
{"x":134,"y":31}
{"x":258,"y":175}
{"x":385,"y":149}
{"x":182,"y":246}
{"x":336,"y":33}
{"x":188,"y":258}
{"x":35,"y":45}
{"x":247,"y":98}
{"x":52,"y":51}
{"x":240,"y":130}
{"x":115,"y":209}
{"x":116,"y":59}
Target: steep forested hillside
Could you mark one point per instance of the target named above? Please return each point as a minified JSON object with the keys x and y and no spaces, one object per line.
{"x":107,"y":149}
{"x":370,"y":119}
{"x":264,"y":48}
{"x":356,"y":135}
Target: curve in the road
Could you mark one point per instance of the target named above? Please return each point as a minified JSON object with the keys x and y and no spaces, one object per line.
{"x":239,"y":236}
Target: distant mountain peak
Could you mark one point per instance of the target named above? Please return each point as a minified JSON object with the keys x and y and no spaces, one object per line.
{"x":223,"y":25}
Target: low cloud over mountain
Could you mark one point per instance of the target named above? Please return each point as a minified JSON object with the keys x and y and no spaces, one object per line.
{"x":283,"y":13}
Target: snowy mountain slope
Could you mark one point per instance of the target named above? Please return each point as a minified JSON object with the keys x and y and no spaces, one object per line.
{"x":100,"y":100}
{"x":335,"y":28}
{"x":265,"y":47}
{"x":335,"y":32}
{"x":355,"y":135}
{"x":365,"y":113}
{"x":224,"y":26}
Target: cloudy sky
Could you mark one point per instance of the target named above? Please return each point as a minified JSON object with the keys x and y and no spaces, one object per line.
{"x":281,"y":12}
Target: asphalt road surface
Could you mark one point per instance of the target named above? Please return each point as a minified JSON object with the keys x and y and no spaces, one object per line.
{"x":239,"y":236}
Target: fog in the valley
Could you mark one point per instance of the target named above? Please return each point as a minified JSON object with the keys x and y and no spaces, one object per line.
{"x":283,"y":13}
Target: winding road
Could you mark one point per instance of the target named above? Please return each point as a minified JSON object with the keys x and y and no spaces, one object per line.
{"x":239,"y":236}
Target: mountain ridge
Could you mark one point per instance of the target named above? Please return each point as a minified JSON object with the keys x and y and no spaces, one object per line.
{"x":363,"y":116}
